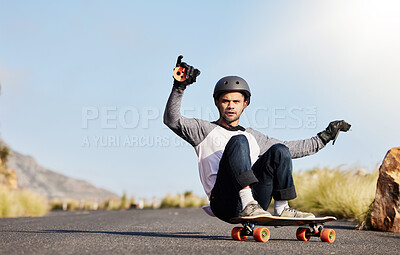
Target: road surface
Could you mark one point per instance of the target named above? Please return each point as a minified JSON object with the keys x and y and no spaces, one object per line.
{"x":171,"y":231}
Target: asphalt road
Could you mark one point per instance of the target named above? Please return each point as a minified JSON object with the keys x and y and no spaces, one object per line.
{"x":171,"y":231}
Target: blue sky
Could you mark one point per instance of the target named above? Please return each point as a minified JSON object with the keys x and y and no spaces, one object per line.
{"x":84,"y":83}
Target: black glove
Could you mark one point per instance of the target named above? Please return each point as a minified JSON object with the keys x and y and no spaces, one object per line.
{"x":332,"y":131}
{"x":184,"y":74}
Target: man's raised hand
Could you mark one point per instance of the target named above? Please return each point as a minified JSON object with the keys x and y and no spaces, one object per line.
{"x":184,"y":74}
{"x":332,"y":131}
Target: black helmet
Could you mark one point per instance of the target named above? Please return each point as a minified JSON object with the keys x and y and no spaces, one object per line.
{"x":232,"y":84}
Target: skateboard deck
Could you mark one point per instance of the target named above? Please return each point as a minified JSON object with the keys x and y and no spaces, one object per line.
{"x":261,"y":234}
{"x":282,"y":221}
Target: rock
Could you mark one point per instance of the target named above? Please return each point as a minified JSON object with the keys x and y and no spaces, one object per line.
{"x":385,"y":213}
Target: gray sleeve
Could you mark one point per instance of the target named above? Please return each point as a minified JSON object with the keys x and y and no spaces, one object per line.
{"x":298,"y":149}
{"x":190,"y":129}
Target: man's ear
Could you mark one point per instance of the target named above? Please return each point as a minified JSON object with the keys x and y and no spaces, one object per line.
{"x":216,"y":102}
{"x":245,"y":104}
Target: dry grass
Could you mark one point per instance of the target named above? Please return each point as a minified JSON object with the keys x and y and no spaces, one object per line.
{"x":21,"y":203}
{"x":188,"y":199}
{"x":17,"y":203}
{"x":344,"y":194}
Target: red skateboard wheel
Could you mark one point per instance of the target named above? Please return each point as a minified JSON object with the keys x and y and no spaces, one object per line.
{"x":261,"y":234}
{"x":236,"y":234}
{"x":328,"y":235}
{"x":303,"y":234}
{"x":179,"y":74}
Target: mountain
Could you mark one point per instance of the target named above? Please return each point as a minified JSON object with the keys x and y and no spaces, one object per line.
{"x":50,"y":184}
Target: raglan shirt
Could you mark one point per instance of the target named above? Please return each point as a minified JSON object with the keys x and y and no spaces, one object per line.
{"x":209,"y":140}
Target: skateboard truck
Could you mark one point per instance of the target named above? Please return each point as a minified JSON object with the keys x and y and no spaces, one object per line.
{"x":248,"y":229}
{"x":316,"y":228}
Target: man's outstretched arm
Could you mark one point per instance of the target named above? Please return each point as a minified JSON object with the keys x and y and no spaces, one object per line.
{"x":183,"y":75}
{"x":190,"y":130}
{"x":172,"y":113}
{"x":305,"y":147}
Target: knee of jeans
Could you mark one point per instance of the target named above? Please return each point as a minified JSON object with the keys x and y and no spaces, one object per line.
{"x":240,"y":139}
{"x":238,"y":142}
{"x":282,"y":150}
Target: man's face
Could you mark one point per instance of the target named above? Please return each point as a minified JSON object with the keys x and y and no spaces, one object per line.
{"x":231,"y":106}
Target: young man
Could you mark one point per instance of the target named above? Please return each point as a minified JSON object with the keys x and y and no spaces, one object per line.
{"x":240,"y":168}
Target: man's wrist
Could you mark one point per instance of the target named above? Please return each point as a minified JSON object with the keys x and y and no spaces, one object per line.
{"x":179,"y":85}
{"x":323,"y":135}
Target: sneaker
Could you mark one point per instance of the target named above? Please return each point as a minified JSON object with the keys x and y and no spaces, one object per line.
{"x":253,"y":210}
{"x":293,"y":213}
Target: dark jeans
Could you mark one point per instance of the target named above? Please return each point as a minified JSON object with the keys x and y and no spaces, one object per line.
{"x":270,"y":177}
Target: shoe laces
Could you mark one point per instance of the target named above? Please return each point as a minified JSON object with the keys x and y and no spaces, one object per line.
{"x":291,"y":209}
{"x":253,"y":206}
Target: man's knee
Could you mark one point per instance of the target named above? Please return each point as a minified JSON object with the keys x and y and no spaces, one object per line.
{"x":237,"y":145}
{"x":238,"y":140}
{"x":281,"y":150}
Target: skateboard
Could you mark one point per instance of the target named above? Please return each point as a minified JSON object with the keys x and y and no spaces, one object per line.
{"x":261,"y":234}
